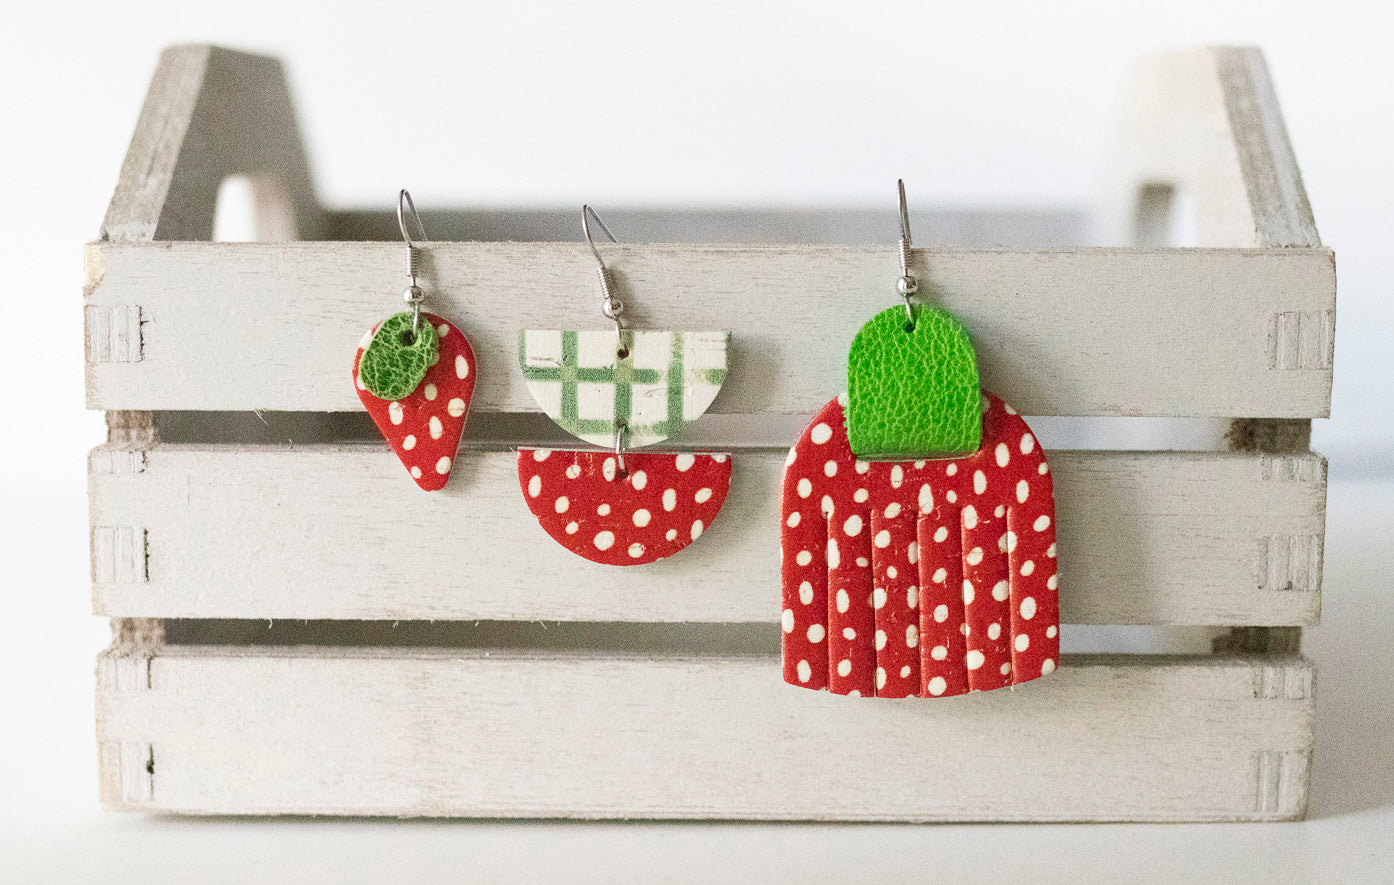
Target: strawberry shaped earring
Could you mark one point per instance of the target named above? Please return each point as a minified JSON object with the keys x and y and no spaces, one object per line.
{"x":622,"y":390}
{"x":918,"y":523}
{"x":415,"y":375}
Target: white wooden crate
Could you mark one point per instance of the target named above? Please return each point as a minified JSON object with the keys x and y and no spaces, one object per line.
{"x":373,"y":691}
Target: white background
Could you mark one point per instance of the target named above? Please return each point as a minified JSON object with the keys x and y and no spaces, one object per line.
{"x":654,"y":105}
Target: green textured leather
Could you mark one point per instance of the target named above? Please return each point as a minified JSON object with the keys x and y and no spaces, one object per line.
{"x":391,"y":368}
{"x":912,"y":394}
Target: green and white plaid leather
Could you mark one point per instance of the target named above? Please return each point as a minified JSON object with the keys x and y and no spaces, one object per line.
{"x":667,"y":380}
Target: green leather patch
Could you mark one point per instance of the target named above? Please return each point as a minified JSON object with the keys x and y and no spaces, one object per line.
{"x":913,"y":394}
{"x":395,"y":360}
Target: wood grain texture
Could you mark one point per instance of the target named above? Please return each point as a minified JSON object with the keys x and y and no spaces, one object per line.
{"x":1087,"y":332}
{"x":210,"y":113}
{"x":503,"y":734}
{"x":335,"y":531}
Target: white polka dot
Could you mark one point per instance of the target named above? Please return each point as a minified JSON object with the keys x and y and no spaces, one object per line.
{"x":1023,"y":491}
{"x":834,"y":557}
{"x":805,"y":671}
{"x":671,"y":534}
{"x":853,"y":526}
{"x":912,"y":636}
{"x":429,"y":391}
{"x":572,"y":527}
{"x":830,"y":469}
{"x":642,"y":517}
{"x":827,"y":506}
{"x":608,"y":469}
{"x":891,"y":571}
{"x":1028,"y":607}
{"x":1000,"y":591}
{"x":940,"y":534}
{"x":563,"y":504}
{"x":703,"y":495}
{"x":994,"y":630}
{"x":970,"y":517}
{"x":638,"y":479}
{"x":940,"y":575}
{"x":999,"y":511}
{"x":880,"y":639}
{"x":975,"y":556}
{"x":878,"y":598}
{"x":860,"y":496}
{"x":951,"y":469}
{"x":443,"y":329}
{"x":941,"y":613}
{"x":905,"y":672}
{"x":975,"y":659}
{"x":897,"y":476}
{"x":820,"y":433}
{"x":606,"y":540}
{"x":541,"y":454}
{"x":805,"y":592}
{"x":1051,"y":631}
{"x":1007,"y":543}
{"x":1043,"y":469}
{"x":844,"y":667}
{"x":793,"y":520}
{"x":979,"y":482}
{"x":443,"y":465}
{"x":937,"y":686}
{"x":684,"y":462}
{"x":1027,"y":568}
{"x":854,"y":693}
{"x":951,"y":496}
{"x":636,"y":550}
{"x":1002,"y":455}
{"x":883,"y":538}
{"x":1022,"y":642}
{"x":456,"y":407}
{"x":791,"y":457}
{"x":603,"y":510}
{"x":880,"y":677}
{"x":849,"y":633}
{"x":816,"y":633}
{"x":409,"y":443}
{"x":1047,"y":666}
{"x":436,"y":429}
{"x":939,"y":653}
{"x":573,"y":471}
{"x":1042,"y":523}
{"x":843,"y":602}
{"x":926,"y":498}
{"x":967,"y":592}
{"x":534,"y":487}
{"x":670,"y":500}
{"x":394,"y":412}
{"x":892,"y":510}
{"x":697,"y":528}
{"x":1053,"y":582}
{"x":462,"y":368}
{"x":861,"y":466}
{"x":803,"y":557}
{"x":912,"y":552}
{"x":416,"y":472}
{"x":1050,"y":551}
{"x":805,"y":488}
{"x":1028,"y":442}
{"x":1005,"y":668}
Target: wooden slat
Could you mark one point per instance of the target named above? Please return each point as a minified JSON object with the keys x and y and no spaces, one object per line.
{"x":339,"y":531}
{"x":236,"y":326}
{"x":501,"y":734}
{"x":210,"y":113}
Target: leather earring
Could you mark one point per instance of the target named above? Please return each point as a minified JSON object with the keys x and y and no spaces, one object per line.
{"x":414,"y":372}
{"x":622,"y":389}
{"x":918,"y":522}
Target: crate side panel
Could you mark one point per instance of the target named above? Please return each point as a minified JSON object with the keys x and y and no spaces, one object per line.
{"x":338,"y":531}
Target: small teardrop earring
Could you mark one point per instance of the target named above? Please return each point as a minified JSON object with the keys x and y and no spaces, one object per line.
{"x":414,"y":372}
{"x":621,"y":390}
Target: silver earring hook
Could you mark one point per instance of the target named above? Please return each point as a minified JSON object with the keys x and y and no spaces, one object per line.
{"x":412,"y":294}
{"x":610,"y":306}
{"x":907,"y":285}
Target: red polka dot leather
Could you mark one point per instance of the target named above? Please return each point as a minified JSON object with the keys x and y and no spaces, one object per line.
{"x":661,"y":504}
{"x":918,"y":578}
{"x":424,"y":428}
